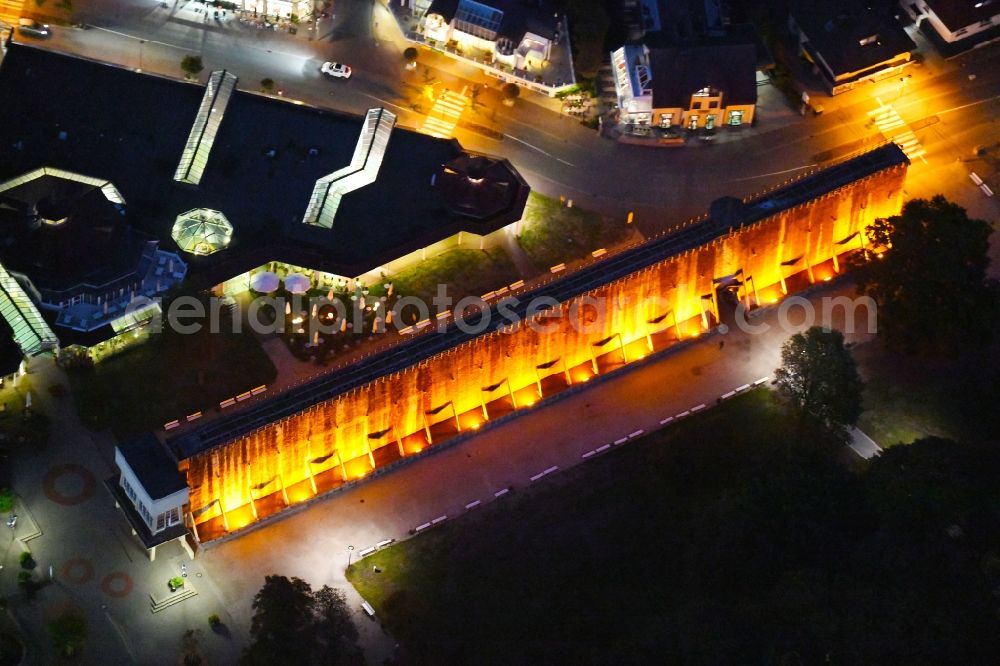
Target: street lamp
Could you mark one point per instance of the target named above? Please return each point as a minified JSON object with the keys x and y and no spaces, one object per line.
{"x":141,"y":43}
{"x":350,"y":551}
{"x":903,"y":80}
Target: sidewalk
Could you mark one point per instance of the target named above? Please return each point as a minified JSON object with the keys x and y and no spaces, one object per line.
{"x":313,"y":543}
{"x":98,"y":567}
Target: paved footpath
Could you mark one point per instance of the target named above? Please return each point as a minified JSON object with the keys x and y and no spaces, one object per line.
{"x":313,"y":543}
{"x":100,"y":568}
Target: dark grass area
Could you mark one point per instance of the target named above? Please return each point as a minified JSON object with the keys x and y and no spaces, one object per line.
{"x":554,"y":234}
{"x":168,"y":377}
{"x":908,"y":398}
{"x":719,"y":541}
{"x":466,"y":272}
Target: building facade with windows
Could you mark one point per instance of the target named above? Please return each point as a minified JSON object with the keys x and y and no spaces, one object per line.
{"x":633,"y":84}
{"x":509,"y":32}
{"x":850,"y":42}
{"x":151,"y":493}
{"x":704,"y":87}
{"x":279,"y":9}
{"x":960,"y":24}
{"x":697,"y":87}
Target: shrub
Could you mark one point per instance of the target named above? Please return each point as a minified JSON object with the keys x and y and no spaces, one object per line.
{"x":410,"y":54}
{"x":214,"y":620}
{"x":68,"y":631}
{"x":6,"y":500}
{"x":267,"y":85}
{"x":191,"y":65}
{"x":27,"y":561}
{"x":510,"y":93}
{"x":176,"y":583}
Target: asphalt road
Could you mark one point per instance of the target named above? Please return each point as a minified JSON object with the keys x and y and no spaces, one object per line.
{"x":950,"y":112}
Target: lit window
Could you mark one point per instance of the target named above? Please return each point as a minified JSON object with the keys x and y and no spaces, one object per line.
{"x":666,"y":119}
{"x":477,"y":19}
{"x":736,"y":117}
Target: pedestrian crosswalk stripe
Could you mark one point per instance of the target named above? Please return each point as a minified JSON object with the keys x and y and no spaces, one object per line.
{"x":445,"y":114}
{"x":888,"y":122}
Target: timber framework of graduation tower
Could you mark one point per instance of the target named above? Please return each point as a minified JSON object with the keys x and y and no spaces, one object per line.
{"x":330,"y":433}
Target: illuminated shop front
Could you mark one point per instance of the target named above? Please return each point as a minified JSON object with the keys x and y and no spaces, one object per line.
{"x":508,"y":32}
{"x":693,"y":88}
{"x":280,"y":9}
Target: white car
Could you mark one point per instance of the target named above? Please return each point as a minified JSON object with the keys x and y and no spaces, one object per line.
{"x":33,"y":28}
{"x":336,"y":70}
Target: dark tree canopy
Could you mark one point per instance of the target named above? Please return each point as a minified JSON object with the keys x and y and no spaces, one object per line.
{"x":930,"y":284}
{"x":192,"y":65}
{"x":68,"y":631}
{"x":294,"y":625}
{"x":819,"y":378}
{"x":336,"y":634}
{"x":588,"y":26}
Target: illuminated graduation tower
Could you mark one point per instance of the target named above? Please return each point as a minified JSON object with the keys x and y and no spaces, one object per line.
{"x":366,"y":418}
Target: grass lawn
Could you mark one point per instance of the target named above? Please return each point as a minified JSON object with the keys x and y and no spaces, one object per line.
{"x":718,"y":541}
{"x":466,"y":272}
{"x":19,"y":430}
{"x":908,"y":398}
{"x":553,"y":234}
{"x":168,"y":377}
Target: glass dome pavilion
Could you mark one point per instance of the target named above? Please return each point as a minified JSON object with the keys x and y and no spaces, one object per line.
{"x":202,"y":231}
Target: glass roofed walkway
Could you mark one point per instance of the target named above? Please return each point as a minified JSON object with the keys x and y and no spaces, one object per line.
{"x":362,"y":171}
{"x":31,"y":332}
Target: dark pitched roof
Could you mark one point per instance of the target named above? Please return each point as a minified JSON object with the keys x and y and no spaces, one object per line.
{"x":131,"y":129}
{"x":678,"y":72}
{"x":957,"y":14}
{"x":156,"y":471}
{"x":836,"y":28}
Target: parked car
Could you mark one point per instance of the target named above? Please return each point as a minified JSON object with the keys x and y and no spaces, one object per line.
{"x":32,"y":28}
{"x":336,"y":70}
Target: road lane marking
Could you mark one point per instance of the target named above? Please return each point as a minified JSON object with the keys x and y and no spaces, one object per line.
{"x":143,"y":39}
{"x":774,"y":173}
{"x":543,"y":152}
{"x":966,"y":106}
